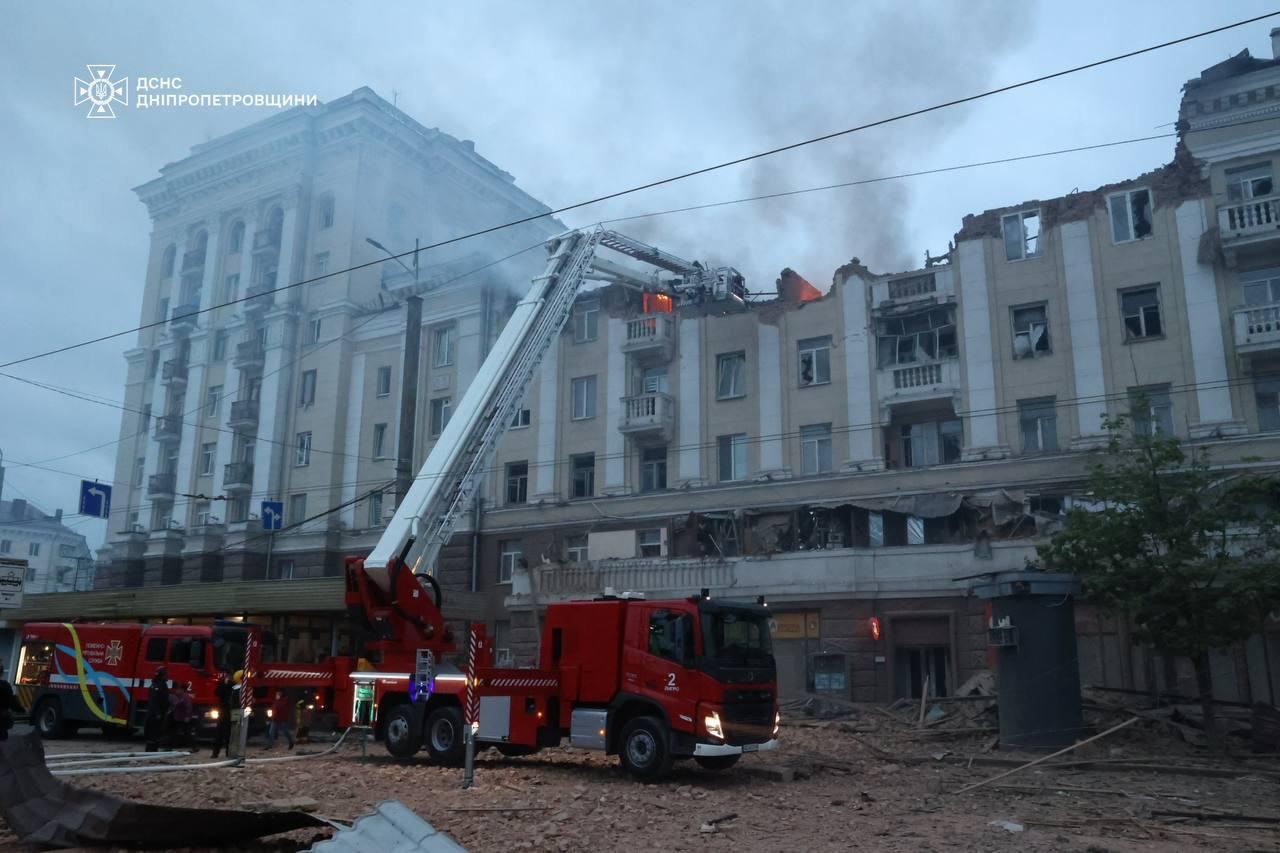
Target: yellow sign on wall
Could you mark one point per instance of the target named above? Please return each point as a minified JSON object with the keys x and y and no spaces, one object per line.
{"x":794,"y":626}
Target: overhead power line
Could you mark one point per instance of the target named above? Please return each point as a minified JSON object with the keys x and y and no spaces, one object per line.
{"x":683,"y":176}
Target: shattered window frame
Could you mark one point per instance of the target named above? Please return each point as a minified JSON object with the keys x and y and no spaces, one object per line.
{"x":1038,"y":418}
{"x":517,"y":482}
{"x":934,"y":337}
{"x":731,"y":375}
{"x":923,"y":444}
{"x":1139,"y":315}
{"x":1131,"y":215}
{"x":1024,"y":322}
{"x":1019,"y":243}
{"x":582,"y":468}
{"x":1245,"y":183}
{"x":815,"y":358}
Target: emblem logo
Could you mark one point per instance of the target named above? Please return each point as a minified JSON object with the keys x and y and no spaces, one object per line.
{"x":115,"y":651}
{"x":101,"y":91}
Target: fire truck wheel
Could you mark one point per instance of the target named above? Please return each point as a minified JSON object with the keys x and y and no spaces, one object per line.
{"x":444,"y":736}
{"x":716,"y":762}
{"x":48,"y":720}
{"x":399,"y":732}
{"x":643,"y":749}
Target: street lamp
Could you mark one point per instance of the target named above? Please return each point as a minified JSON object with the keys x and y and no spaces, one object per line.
{"x":393,"y":256}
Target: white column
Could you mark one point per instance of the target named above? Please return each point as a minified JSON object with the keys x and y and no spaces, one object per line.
{"x":769,"y":386}
{"x":859,"y":396}
{"x":273,"y":445}
{"x":615,"y":388}
{"x":689,"y":406}
{"x":1204,"y":325}
{"x":981,"y":432}
{"x":284,"y":264}
{"x":193,"y":413}
{"x":1086,"y":336}
{"x":547,"y":415}
{"x":351,"y":443}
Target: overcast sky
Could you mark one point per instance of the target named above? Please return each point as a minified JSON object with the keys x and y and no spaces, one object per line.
{"x":574,"y":99}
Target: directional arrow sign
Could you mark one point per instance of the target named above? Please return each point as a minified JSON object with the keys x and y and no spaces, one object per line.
{"x":272,"y":515}
{"x":95,"y":499}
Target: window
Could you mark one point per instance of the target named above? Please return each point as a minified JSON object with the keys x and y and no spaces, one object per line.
{"x":297,"y":508}
{"x":653,"y":469}
{"x":649,"y":542}
{"x":1141,"y":311}
{"x":1261,"y":287}
{"x":815,"y":449}
{"x":521,"y":419}
{"x":162,"y":312}
{"x":219,"y":345}
{"x":324,"y":217}
{"x":731,"y":375}
{"x":1249,"y":182}
{"x":6,"y":546}
{"x":584,"y":397}
{"x":815,"y":361}
{"x":586,"y":322}
{"x":440,"y":412}
{"x":156,"y":647}
{"x":212,"y":397}
{"x":583,"y":468}
{"x":166,"y":263}
{"x":379,"y":441}
{"x":384,"y":381}
{"x":442,"y":346}
{"x":517,"y":482}
{"x":1030,"y":331}
{"x":31,"y":574}
{"x":375,"y":509}
{"x":231,"y":288}
{"x":321,"y":263}
{"x":66,"y":550}
{"x":1130,"y":215}
{"x":922,"y":336}
{"x":281,"y":571}
{"x":313,"y":330}
{"x":1266,"y":391}
{"x":146,"y":417}
{"x":670,"y":636}
{"x":1151,"y":410}
{"x":153,"y":364}
{"x":733,"y":457}
{"x":1021,"y":235}
{"x":575,"y":548}
{"x":236,"y":243}
{"x":139,"y":470}
{"x":303,"y":445}
{"x":930,"y":443}
{"x":1038,"y":422}
{"x":207,"y":453}
{"x":307,"y":395}
{"x":509,"y":555}
{"x":33,"y":549}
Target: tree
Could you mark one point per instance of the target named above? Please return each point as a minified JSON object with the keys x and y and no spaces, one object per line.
{"x":1187,"y":551}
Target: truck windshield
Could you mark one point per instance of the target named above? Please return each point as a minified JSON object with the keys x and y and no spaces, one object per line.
{"x":736,"y":635}
{"x":228,"y":649}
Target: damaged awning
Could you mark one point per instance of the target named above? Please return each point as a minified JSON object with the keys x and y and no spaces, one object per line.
{"x":1004,"y":505}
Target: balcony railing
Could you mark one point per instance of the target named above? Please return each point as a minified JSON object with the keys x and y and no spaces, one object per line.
{"x":266,"y":239}
{"x":160,"y":485}
{"x":919,"y":381}
{"x":1248,"y":218}
{"x":237,"y":476}
{"x":261,"y":296}
{"x":916,"y":285}
{"x":249,"y":354}
{"x":243,"y":413}
{"x":193,"y":260}
{"x":674,"y":577}
{"x":648,"y":414}
{"x":1257,"y":328}
{"x":168,"y":428}
{"x":184,"y":316}
{"x":652,"y":334}
{"x":174,"y":372}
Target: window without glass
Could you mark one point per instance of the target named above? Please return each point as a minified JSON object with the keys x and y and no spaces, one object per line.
{"x":521,"y":419}
{"x":930,"y":443}
{"x":375,"y":509}
{"x":207,"y":452}
{"x":1038,"y":422}
{"x":307,"y":393}
{"x":1151,"y":410}
{"x":731,"y":375}
{"x":815,"y":449}
{"x":212,"y":400}
{"x":297,"y":508}
{"x":1141,"y":311}
{"x":1249,"y":182}
{"x":575,"y":548}
{"x":922,"y":336}
{"x":653,"y":469}
{"x":1266,"y":392}
{"x":586,"y":322}
{"x":219,"y":346}
{"x":649,"y":542}
{"x":584,"y":397}
{"x":442,"y":344}
{"x":517,"y":482}
{"x":153,"y":363}
{"x":509,"y":555}
{"x":166,"y":263}
{"x":583,"y":468}
{"x":440,"y":412}
{"x":324,"y":217}
{"x":733,"y":457}
{"x":231,"y":288}
{"x":236,"y":243}
{"x":1021,"y":235}
{"x":384,"y":381}
{"x":1130,"y":215}
{"x":815,"y":360}
{"x":313,"y":330}
{"x":1261,"y":287}
{"x":302,"y":453}
{"x":379,"y":441}
{"x":1030,"y":331}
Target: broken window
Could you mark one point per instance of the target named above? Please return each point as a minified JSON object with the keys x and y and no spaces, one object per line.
{"x":922,"y":336}
{"x":1261,"y":287}
{"x":1030,"y":331}
{"x":1266,"y":391}
{"x":584,"y":475}
{"x":1151,"y":410}
{"x":1021,"y":235}
{"x":1141,"y":311}
{"x":517,"y":482}
{"x":930,"y":443}
{"x":731,"y":375}
{"x":1038,"y":422}
{"x":1249,"y":182}
{"x":1130,"y":215}
{"x":815,"y":361}
{"x":916,"y":285}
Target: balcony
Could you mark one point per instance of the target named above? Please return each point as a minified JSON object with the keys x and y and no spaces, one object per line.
{"x":183,"y":318}
{"x":168,"y":428}
{"x":249,"y":355}
{"x":244,"y":413}
{"x":267,"y":240}
{"x":652,"y":337}
{"x":1248,"y":226}
{"x":937,"y":285}
{"x":161,"y":485}
{"x":174,"y":373}
{"x":260,"y":297}
{"x":648,"y":416}
{"x":193,"y":260}
{"x":655,"y":577}
{"x":237,"y":476}
{"x":1257,"y":328}
{"x":923,"y":381}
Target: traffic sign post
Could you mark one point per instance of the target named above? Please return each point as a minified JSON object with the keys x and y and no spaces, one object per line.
{"x":13,"y":573}
{"x":95,"y":499}
{"x":272,"y":520}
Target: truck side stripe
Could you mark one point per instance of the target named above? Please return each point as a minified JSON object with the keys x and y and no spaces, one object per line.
{"x":84,"y":687}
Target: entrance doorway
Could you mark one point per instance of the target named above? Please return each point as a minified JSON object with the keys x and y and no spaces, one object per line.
{"x":921,"y":656}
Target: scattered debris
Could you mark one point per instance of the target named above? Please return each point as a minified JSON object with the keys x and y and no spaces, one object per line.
{"x":1007,"y":825}
{"x":391,"y":826}
{"x":1062,"y":751}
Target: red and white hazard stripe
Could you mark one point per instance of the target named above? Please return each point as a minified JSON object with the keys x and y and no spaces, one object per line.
{"x":246,"y":692}
{"x":521,"y":682}
{"x":473,"y":705}
{"x":289,"y":673}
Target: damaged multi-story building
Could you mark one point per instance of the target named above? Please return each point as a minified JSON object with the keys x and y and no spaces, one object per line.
{"x":857,"y":457}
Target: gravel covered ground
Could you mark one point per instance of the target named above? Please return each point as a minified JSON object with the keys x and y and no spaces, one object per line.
{"x":867,"y":783}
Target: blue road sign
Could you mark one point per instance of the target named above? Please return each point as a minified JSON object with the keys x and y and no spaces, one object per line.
{"x":95,"y":499}
{"x":272,"y":515}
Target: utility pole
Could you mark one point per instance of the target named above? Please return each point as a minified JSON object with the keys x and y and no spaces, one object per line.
{"x":409,"y":385}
